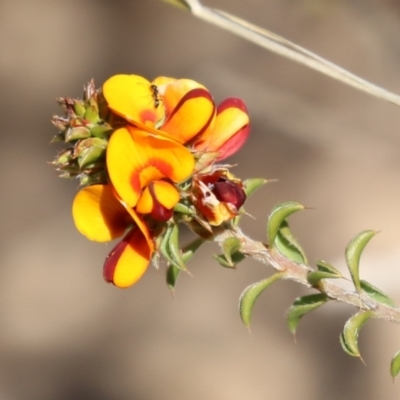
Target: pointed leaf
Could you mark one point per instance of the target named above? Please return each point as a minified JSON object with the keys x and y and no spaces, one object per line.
{"x":353,"y":254}
{"x":288,"y":245}
{"x":395,"y":365}
{"x":235,"y":258}
{"x":230,"y":246}
{"x":325,"y":271}
{"x":323,"y":266}
{"x":315,"y":277}
{"x":252,"y":184}
{"x":277,"y":216}
{"x":302,"y":306}
{"x":170,"y":247}
{"x":349,"y":337}
{"x":251,"y":294}
{"x":187,"y":253}
{"x":376,"y":294}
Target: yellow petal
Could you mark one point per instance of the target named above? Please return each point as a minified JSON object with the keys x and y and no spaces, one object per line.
{"x":128,"y":261}
{"x":228,"y":122}
{"x":135,"y":158}
{"x":142,"y":227}
{"x":133,"y":98}
{"x":161,"y":192}
{"x":191,"y":116}
{"x":173,"y":90}
{"x":98,"y":214}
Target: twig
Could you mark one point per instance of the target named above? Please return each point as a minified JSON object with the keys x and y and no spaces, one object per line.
{"x":298,"y":273}
{"x":283,"y":47}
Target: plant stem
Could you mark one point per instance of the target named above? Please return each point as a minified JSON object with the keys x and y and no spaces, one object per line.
{"x":298,"y":273}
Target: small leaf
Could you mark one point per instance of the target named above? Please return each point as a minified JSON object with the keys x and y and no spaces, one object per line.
{"x":302,"y":306}
{"x":235,"y":258}
{"x":250,"y":295}
{"x":172,"y":275}
{"x":252,"y":184}
{"x":174,"y":248}
{"x":170,"y":247}
{"x":349,"y":336}
{"x":315,"y":277}
{"x":288,"y":245}
{"x":325,"y":271}
{"x":353,"y":254}
{"x":187,"y":253}
{"x":395,"y":365}
{"x":277,"y":216}
{"x":323,"y":266}
{"x":230,"y":246}
{"x":376,"y":294}
{"x":184,"y":209}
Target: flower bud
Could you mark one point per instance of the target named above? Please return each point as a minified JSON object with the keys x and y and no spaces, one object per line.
{"x":218,"y":196}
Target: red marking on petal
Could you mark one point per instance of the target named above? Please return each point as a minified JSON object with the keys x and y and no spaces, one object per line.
{"x":159,"y":212}
{"x":232,"y":102}
{"x":148,"y":115}
{"x":234,"y":143}
{"x":112,"y":259}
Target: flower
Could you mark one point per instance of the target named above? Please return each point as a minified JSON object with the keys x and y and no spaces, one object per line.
{"x":100,"y":216}
{"x":187,"y":116}
{"x":187,"y":111}
{"x":218,"y":196}
{"x":135,"y":159}
{"x":149,"y":152}
{"x":229,"y":132}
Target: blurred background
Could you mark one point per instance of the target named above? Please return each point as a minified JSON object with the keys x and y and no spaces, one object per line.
{"x":65,"y":334}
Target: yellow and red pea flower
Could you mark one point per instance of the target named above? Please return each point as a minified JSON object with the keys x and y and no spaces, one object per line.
{"x":168,"y":122}
{"x":100,"y":216}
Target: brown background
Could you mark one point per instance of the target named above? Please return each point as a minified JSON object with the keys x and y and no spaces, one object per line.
{"x":65,"y":334}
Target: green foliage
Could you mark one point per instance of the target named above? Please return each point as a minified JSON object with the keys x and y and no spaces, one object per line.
{"x":349,"y":336}
{"x":353,"y":253}
{"x":250,"y":295}
{"x":325,"y":271}
{"x":302,"y":306}
{"x":187,"y":253}
{"x":278,"y":215}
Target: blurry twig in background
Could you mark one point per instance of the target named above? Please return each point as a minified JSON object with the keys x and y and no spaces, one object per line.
{"x":283,"y":47}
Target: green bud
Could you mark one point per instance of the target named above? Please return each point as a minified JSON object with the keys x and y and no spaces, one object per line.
{"x":79,"y":132}
{"x":79,"y":108}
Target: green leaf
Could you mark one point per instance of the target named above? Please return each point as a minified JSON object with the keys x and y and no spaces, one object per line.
{"x":230,"y":246}
{"x":170,"y":247}
{"x":302,"y":306}
{"x":395,"y":365}
{"x":376,"y":294}
{"x":349,"y":336}
{"x":187,"y":253}
{"x":325,"y":271}
{"x":250,"y":295}
{"x":353,"y":254}
{"x":277,"y":216}
{"x":323,"y":266}
{"x":288,"y":245}
{"x":184,"y":209}
{"x":235,"y":258}
{"x":252,"y":184}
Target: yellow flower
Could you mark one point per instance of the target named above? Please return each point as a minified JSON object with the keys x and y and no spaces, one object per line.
{"x":101,"y":216}
{"x":136,"y":159}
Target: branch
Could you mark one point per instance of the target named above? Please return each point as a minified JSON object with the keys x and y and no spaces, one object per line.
{"x":283,"y":47}
{"x":298,"y":272}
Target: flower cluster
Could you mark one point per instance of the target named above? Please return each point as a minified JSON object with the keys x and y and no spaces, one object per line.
{"x":147,"y":155}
